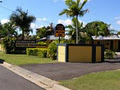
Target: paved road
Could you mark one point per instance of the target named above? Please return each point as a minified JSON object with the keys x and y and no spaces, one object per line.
{"x":65,"y":71}
{"x":11,"y":81}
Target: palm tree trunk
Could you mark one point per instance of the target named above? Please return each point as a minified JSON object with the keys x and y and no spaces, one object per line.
{"x":77,"y":29}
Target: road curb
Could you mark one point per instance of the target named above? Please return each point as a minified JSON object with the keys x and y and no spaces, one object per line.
{"x":39,"y":80}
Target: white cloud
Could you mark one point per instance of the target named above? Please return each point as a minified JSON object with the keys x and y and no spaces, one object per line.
{"x":82,"y":22}
{"x":65,"y":22}
{"x":111,"y":27}
{"x":3,"y":21}
{"x":69,"y":22}
{"x":41,"y":19}
{"x":117,"y":18}
{"x":33,"y":25}
{"x":118,"y":22}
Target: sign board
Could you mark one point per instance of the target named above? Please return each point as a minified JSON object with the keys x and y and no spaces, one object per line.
{"x":59,"y":30}
{"x":26,"y":43}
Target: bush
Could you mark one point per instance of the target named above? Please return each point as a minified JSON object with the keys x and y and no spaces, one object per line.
{"x":9,"y":44}
{"x":42,"y":43}
{"x":52,"y":48}
{"x":110,"y":54}
{"x":42,"y":52}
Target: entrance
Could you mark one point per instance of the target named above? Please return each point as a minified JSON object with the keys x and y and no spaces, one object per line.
{"x":118,"y":45}
{"x":111,"y":45}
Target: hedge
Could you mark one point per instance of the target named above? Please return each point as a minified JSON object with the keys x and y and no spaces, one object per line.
{"x":42,"y":52}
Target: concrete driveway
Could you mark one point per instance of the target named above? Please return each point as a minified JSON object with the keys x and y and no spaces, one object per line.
{"x":65,"y":71}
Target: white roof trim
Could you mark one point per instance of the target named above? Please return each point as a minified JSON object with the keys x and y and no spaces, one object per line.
{"x":113,"y":37}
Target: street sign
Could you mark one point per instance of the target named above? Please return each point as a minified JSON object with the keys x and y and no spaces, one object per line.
{"x":59,"y":30}
{"x":26,"y":43}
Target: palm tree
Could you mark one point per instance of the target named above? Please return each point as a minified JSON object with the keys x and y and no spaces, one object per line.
{"x":72,"y":28}
{"x":22,"y":20}
{"x":75,"y":9}
{"x":8,"y":29}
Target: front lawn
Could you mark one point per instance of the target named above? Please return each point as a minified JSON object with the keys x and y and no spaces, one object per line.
{"x":22,"y":59}
{"x":98,"y":81}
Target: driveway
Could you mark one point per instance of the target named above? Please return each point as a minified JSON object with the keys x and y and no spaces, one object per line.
{"x":65,"y":71}
{"x":11,"y":81}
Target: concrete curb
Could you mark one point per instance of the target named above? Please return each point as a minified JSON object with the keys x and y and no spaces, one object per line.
{"x":39,"y":80}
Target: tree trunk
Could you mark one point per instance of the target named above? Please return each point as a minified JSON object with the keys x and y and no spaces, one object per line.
{"x":77,"y":29}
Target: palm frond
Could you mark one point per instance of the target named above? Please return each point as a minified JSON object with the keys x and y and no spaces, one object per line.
{"x":83,"y":12}
{"x":82,"y":4}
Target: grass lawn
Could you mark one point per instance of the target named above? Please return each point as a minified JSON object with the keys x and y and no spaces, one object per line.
{"x":98,"y":81}
{"x":22,"y":59}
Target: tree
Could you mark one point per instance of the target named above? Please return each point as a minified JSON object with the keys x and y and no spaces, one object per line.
{"x":8,"y":29}
{"x":44,"y":31}
{"x":75,"y":9}
{"x":97,"y":28}
{"x":22,"y":20}
{"x":72,"y":29}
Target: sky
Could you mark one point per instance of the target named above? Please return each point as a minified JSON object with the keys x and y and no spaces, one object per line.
{"x":47,"y":11}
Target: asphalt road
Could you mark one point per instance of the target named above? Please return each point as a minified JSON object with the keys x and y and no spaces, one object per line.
{"x":11,"y":81}
{"x":65,"y":71}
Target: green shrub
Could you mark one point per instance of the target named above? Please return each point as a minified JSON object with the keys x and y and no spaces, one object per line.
{"x":42,"y":43}
{"x":42,"y":52}
{"x":9,"y":44}
{"x":110,"y":54}
{"x":52,"y":50}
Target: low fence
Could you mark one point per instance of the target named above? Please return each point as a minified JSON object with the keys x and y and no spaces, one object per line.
{"x":80,"y":53}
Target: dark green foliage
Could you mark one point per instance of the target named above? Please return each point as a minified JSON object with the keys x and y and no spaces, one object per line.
{"x":42,"y":52}
{"x":8,"y":29}
{"x":22,"y":20}
{"x":97,"y":28}
{"x":9,"y":44}
{"x":52,"y":48}
{"x":41,"y":43}
{"x":75,"y":9}
{"x":110,"y":54}
{"x":45,"y":31}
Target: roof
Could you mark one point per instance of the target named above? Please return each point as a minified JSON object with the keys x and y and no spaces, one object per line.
{"x":112,"y":37}
{"x":52,"y":37}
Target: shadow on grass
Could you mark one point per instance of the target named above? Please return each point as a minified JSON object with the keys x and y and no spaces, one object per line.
{"x":1,"y":61}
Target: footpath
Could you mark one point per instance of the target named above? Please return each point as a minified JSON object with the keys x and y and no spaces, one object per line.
{"x":37,"y":79}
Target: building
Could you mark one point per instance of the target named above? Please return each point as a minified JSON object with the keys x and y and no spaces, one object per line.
{"x":52,"y":37}
{"x":110,"y":42}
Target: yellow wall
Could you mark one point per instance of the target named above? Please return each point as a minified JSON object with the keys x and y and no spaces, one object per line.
{"x":115,"y":44}
{"x":80,"y":54}
{"x":98,"y":53}
{"x":61,"y":53}
{"x":107,"y":44}
{"x":1,"y":48}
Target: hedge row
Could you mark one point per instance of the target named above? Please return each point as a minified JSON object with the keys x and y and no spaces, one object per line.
{"x":42,"y":52}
